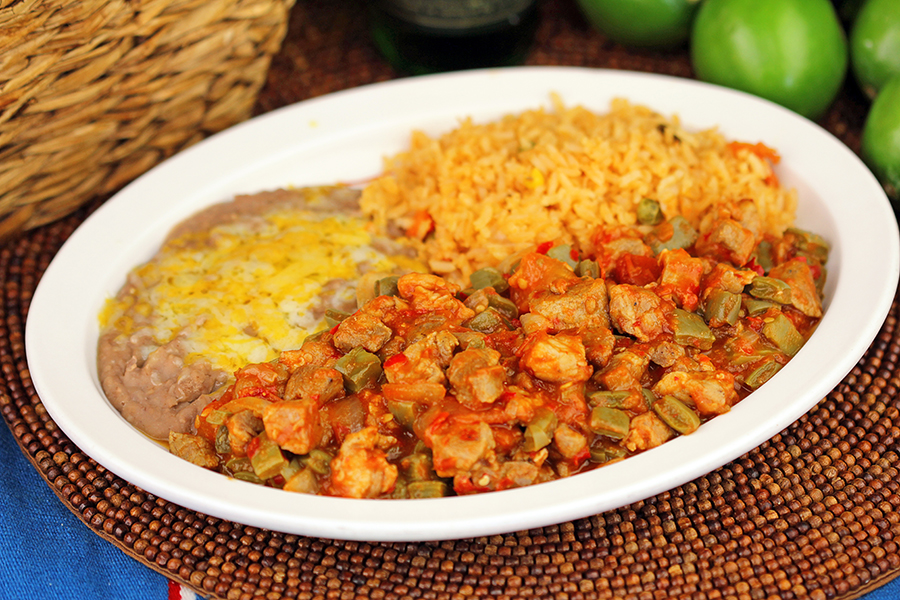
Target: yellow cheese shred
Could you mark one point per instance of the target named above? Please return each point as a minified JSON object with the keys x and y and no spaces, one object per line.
{"x":244,"y":293}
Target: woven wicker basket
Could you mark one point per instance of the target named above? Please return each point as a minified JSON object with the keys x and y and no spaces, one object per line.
{"x":95,"y":92}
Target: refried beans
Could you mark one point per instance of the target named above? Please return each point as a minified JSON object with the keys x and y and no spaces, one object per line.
{"x":238,"y":282}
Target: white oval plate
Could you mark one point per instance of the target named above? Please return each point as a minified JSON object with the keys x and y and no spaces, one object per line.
{"x":343,"y":137}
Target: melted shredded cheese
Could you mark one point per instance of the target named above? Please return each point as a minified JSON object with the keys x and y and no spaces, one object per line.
{"x":241,"y":293}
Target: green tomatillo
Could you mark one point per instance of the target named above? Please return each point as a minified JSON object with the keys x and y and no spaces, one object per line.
{"x":881,"y":138}
{"x":651,"y":23}
{"x":793,"y":52}
{"x":875,"y":44}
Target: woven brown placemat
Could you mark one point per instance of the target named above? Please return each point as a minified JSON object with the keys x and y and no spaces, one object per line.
{"x":812,"y":513}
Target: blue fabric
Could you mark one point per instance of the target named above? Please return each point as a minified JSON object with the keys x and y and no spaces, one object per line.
{"x":48,"y":553}
{"x":890,"y":591}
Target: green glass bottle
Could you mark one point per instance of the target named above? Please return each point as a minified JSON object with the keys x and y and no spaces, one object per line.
{"x":429,"y":36}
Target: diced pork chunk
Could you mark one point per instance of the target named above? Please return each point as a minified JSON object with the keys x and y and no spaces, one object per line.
{"x":727,"y":278}
{"x":424,"y":360}
{"x":534,"y":323}
{"x":680,"y":277}
{"x":383,"y":307}
{"x":573,"y":407}
{"x":193,"y":448}
{"x":295,"y":425}
{"x":491,"y":477}
{"x":804,"y":295}
{"x":624,"y":371}
{"x":519,"y":473}
{"x":626,"y":245}
{"x":477,"y":376}
{"x":599,"y":343}
{"x":364,"y":330}
{"x":432,"y":293}
{"x":728,"y":240}
{"x":459,"y":446}
{"x":361,"y":468}
{"x":242,"y":427}
{"x":320,"y":384}
{"x":583,"y":304}
{"x":637,"y":311}
{"x":665,"y":352}
{"x":312,"y":352}
{"x":611,"y":250}
{"x":711,"y":393}
{"x":569,"y":442}
{"x":437,"y":346}
{"x":743,"y":211}
{"x":535,"y":274}
{"x":409,"y":371}
{"x":696,"y":364}
{"x":270,"y":376}
{"x":559,"y":358}
{"x":647,"y":431}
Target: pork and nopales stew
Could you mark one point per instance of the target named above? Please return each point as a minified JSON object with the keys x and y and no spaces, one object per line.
{"x":561,"y":360}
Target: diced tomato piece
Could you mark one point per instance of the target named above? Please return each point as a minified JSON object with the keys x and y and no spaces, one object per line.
{"x":759,"y":149}
{"x":815,"y":269}
{"x":755,"y":266}
{"x":421,"y":226}
{"x":506,"y":396}
{"x":582,"y":456}
{"x":253,"y":447}
{"x":544,"y":247}
{"x":505,"y":438}
{"x":396,"y":360}
{"x":762,"y":151}
{"x":755,"y":323}
{"x":637,"y":270}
